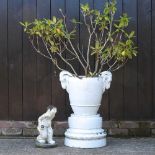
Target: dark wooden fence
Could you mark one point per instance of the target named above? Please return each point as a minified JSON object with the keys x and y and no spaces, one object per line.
{"x":28,"y":82}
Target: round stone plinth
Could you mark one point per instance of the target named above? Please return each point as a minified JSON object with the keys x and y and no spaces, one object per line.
{"x":77,"y":143}
{"x":85,"y":138}
{"x":85,"y":132}
{"x":85,"y":122}
{"x":46,"y":145}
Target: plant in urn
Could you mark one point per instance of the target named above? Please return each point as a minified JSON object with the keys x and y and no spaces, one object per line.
{"x":109,"y":44}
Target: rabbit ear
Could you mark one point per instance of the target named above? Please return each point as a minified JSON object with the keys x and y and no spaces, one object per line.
{"x":54,"y":109}
{"x":107,"y":78}
{"x":63,"y":77}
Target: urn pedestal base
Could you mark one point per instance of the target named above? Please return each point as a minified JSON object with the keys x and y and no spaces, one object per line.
{"x":85,"y":143}
{"x":85,"y":132}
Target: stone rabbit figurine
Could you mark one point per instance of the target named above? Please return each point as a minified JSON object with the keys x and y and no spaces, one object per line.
{"x":44,"y":127}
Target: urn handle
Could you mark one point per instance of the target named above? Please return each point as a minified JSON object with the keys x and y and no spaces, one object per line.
{"x":63,"y":77}
{"x":107,"y":78}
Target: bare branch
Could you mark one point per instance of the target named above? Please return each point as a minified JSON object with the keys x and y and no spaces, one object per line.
{"x":70,"y":42}
{"x":80,"y":52}
{"x":119,"y":66}
{"x":68,"y":64}
{"x":38,"y":51}
{"x":76,"y":53}
{"x":85,"y":22}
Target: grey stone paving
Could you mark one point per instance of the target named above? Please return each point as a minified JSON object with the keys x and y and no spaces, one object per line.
{"x":116,"y":146}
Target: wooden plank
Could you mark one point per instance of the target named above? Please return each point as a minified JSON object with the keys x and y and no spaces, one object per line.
{"x":15,"y":59}
{"x":131,"y":110}
{"x":104,"y":108}
{"x":44,"y":79}
{"x":116,"y":90}
{"x":29,"y":66}
{"x":58,"y":94}
{"x":72,"y":12}
{"x":153,"y":56}
{"x":43,"y":9}
{"x":144,"y":59}
{"x":3,"y":62}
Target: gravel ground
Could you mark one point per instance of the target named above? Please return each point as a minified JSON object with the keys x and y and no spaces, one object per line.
{"x":116,"y":146}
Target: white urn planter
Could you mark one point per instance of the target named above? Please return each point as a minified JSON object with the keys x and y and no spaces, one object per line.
{"x":85,"y":94}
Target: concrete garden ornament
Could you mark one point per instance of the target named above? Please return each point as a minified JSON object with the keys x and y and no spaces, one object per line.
{"x":45,"y":137}
{"x":85,"y":94}
{"x":108,"y":45}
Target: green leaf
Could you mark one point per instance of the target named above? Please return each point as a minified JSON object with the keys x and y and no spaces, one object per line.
{"x":21,"y":23}
{"x":85,"y":8}
{"x":131,"y":35}
{"x":54,"y":19}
